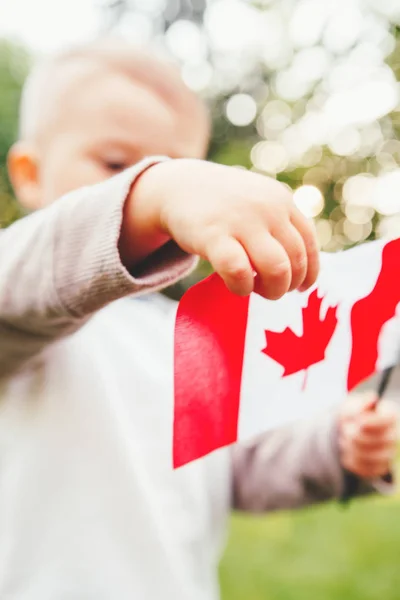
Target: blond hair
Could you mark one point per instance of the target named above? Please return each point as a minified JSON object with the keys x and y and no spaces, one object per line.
{"x":54,"y":77}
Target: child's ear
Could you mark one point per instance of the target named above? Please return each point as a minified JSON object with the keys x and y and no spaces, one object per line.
{"x":22,"y":165}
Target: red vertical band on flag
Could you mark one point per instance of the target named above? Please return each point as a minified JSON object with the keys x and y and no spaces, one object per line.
{"x":370,"y":314}
{"x":210,"y":334}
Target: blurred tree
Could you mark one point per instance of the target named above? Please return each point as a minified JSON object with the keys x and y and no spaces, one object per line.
{"x":306,"y":91}
{"x":14,"y":63}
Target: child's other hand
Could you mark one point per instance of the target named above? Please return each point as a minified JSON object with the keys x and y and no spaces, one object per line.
{"x":368,"y":436}
{"x":240,"y":221}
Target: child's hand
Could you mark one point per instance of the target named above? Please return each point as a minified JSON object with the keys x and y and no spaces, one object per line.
{"x":240,"y":221}
{"x":368,"y":436}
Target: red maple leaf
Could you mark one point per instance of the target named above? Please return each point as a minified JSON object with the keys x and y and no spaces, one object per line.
{"x":298,"y":352}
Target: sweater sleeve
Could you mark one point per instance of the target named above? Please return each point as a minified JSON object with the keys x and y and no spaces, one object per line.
{"x":61,"y":264}
{"x":291,"y":467}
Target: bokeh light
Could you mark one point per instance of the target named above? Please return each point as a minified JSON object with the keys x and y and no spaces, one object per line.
{"x":241,"y":109}
{"x":270,"y":157}
{"x":309,"y":200}
{"x":306,"y":91}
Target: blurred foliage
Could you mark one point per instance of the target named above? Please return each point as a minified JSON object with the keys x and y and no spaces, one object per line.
{"x":167,"y":13}
{"x":14,"y":64}
{"x":302,"y":90}
{"x":309,"y":97}
{"x":326,"y":553}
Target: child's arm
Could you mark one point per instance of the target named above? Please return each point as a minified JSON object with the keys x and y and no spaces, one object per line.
{"x":304,"y":463}
{"x":98,"y":244}
{"x":289,"y":467}
{"x":61,"y":264}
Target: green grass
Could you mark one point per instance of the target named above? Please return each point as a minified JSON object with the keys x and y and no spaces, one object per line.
{"x":325,"y":553}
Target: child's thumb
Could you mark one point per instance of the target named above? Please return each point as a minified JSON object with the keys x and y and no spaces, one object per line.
{"x":370,"y":401}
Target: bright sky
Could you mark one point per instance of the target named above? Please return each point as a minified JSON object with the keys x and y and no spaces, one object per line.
{"x":46,"y":25}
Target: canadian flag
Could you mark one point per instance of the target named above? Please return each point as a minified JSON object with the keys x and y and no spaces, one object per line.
{"x":244,"y":365}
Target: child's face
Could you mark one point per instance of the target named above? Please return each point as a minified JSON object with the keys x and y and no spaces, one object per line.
{"x":103,"y":127}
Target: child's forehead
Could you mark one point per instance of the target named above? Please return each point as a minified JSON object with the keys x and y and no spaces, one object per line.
{"x":116,"y":105}
{"x":119,"y":96}
{"x":116,"y":109}
{"x":127,"y":94}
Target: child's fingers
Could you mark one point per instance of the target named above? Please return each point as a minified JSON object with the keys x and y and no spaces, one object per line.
{"x":376,"y":456}
{"x":373,"y":462}
{"x":370,"y":443}
{"x":367,"y":463}
{"x":307,"y":232}
{"x":368,"y":469}
{"x":355,"y":405}
{"x":376,"y":422}
{"x":368,"y":437}
{"x":271,"y":264}
{"x":370,"y":401}
{"x":294,"y":246}
{"x":231,"y":262}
